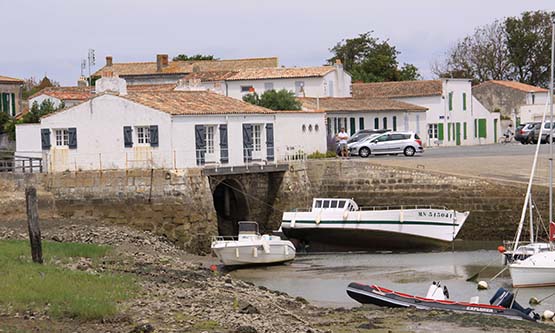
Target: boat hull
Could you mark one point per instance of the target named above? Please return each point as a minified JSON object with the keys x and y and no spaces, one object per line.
{"x":373,"y":230}
{"x":537,"y":270}
{"x":366,"y":294}
{"x":235,"y":255}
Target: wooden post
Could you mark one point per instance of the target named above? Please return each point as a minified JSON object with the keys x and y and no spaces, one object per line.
{"x":33,"y":223}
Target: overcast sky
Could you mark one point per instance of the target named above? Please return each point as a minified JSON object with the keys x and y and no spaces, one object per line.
{"x":52,"y":36}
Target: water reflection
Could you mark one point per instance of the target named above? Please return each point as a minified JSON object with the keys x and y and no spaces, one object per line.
{"x":322,"y":278}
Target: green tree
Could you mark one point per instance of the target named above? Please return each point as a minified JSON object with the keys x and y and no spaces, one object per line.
{"x":370,"y":60}
{"x":274,"y":100}
{"x":184,"y":57}
{"x":529,"y":46}
{"x":33,"y":116}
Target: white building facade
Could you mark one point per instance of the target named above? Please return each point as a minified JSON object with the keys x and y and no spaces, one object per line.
{"x":454,"y":117}
{"x":166,"y":130}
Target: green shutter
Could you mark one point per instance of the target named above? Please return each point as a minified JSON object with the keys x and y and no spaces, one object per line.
{"x":464,"y":130}
{"x":353,"y":126}
{"x":451,"y":101}
{"x":394,"y":123}
{"x":464,"y":101}
{"x":475,"y":128}
{"x":376,"y":123}
{"x":5,"y":102}
{"x":361,"y":123}
{"x":440,"y":131}
{"x":448,"y":131}
{"x":482,"y":128}
{"x":13,"y":104}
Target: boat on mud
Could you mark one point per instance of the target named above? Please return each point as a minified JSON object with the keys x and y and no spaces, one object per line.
{"x":333,"y":224}
{"x":251,"y":248}
{"x":501,"y":304}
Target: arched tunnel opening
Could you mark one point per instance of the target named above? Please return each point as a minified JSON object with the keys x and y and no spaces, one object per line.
{"x":231,"y":206}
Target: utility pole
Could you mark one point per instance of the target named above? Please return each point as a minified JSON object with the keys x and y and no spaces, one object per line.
{"x":551,"y":120}
{"x":92,"y":62}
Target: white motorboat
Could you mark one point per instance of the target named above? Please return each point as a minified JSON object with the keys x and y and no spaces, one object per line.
{"x":339,"y":224}
{"x":251,"y":248}
{"x":538,"y":270}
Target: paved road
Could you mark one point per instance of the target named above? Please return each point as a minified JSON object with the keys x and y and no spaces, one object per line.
{"x":511,"y":162}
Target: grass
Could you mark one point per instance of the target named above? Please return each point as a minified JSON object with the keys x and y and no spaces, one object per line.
{"x":25,"y":285}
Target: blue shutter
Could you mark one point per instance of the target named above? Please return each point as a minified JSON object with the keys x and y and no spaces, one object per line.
{"x":13,"y":104}
{"x":127,"y":136}
{"x":270,"y":142}
{"x":224,"y":152}
{"x":154,"y":136}
{"x":45,"y":138}
{"x":247,"y":142}
{"x":72,"y":138}
{"x":200,"y":143}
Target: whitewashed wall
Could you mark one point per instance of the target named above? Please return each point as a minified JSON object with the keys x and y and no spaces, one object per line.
{"x":28,"y":140}
{"x":300,"y":131}
{"x":406,"y":121}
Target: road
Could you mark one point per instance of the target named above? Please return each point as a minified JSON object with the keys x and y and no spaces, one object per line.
{"x":512,"y":162}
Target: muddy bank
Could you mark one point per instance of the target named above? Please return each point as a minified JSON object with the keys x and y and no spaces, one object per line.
{"x":179,"y":293}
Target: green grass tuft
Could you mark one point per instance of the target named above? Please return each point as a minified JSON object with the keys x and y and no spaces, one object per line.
{"x":28,"y":286}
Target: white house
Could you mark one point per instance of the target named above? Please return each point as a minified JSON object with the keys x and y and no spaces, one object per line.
{"x":166,"y":129}
{"x":321,"y":81}
{"x":355,"y":114}
{"x":454,"y":116}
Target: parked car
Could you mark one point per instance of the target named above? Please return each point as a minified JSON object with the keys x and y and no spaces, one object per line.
{"x":393,"y":143}
{"x":361,"y":135}
{"x":526,"y":134}
{"x":546,"y":133}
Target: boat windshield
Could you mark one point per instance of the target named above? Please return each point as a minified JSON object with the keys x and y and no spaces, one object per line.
{"x":248,"y":227}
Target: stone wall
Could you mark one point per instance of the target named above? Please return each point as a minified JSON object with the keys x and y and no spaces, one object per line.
{"x":496,"y":97}
{"x":494,"y":207}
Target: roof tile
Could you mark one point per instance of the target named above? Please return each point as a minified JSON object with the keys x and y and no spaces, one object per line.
{"x":7,"y":79}
{"x":515,"y":85}
{"x":280,"y":73}
{"x":398,"y":89}
{"x":348,"y":104}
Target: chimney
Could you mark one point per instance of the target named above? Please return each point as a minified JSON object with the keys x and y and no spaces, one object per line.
{"x":161,"y":62}
{"x":108,"y":60}
{"x":82,"y":82}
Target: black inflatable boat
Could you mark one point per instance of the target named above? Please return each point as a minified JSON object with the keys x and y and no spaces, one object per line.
{"x":501,"y":304}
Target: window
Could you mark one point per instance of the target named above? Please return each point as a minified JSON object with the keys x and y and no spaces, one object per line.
{"x":451,"y":101}
{"x":432,"y":131}
{"x":310,"y":128}
{"x":333,"y":204}
{"x":316,"y":128}
{"x":399,"y":136}
{"x":318,"y":204}
{"x":376,"y":123}
{"x":464,"y":101}
{"x":533,"y":98}
{"x":247,"y":89}
{"x":256,"y":133}
{"x":384,"y":122}
{"x":326,"y":204}
{"x":341,"y":204}
{"x":210,"y":131}
{"x":464,"y":131}
{"x":143,"y":135}
{"x":394,"y":123}
{"x":62,"y":137}
{"x":360,"y":123}
{"x":268,"y":86}
{"x":383,"y":138}
{"x":304,"y":128}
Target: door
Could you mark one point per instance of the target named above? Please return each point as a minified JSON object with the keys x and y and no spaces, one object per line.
{"x":381,"y":145}
{"x":458,"y":134}
{"x":396,"y":143}
{"x":495,"y":130}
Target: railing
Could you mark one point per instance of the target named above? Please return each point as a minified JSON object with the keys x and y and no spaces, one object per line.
{"x":21,"y":164}
{"x":367,"y":208}
{"x":224,"y":238}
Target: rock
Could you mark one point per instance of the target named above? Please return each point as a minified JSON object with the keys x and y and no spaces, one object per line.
{"x":143,"y":328}
{"x":547,"y":315}
{"x":482,"y":285}
{"x":57,"y":238}
{"x":249,"y":309}
{"x":246,"y":329}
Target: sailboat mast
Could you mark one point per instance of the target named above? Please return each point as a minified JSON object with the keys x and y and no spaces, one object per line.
{"x":551,"y":119}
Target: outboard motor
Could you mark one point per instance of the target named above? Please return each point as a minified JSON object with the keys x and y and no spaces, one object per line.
{"x":435,"y":292}
{"x":504,"y":298}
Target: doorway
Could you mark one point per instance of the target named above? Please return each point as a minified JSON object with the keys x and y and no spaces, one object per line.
{"x":231,"y":206}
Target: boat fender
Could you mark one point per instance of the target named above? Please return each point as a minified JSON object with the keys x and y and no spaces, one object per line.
{"x":286,"y":248}
{"x":255,"y":252}
{"x":548,"y":315}
{"x":346,"y":215}
{"x":482,"y":285}
{"x":317,"y":219}
{"x":266,"y":247}
{"x":237,"y":253}
{"x":293,"y":223}
{"x":401,"y":217}
{"x":501,"y":249}
{"x":534,"y":301}
{"x":435,"y":292}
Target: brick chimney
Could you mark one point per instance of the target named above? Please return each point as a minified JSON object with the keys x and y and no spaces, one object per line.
{"x":161,"y":62}
{"x":108,"y":60}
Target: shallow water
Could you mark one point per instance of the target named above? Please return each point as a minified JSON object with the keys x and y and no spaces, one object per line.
{"x":323,"y":278}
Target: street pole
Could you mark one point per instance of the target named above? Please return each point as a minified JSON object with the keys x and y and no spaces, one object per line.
{"x":551,"y":119}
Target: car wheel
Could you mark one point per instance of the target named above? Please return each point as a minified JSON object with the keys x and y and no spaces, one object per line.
{"x":409,"y":151}
{"x":364,"y":152}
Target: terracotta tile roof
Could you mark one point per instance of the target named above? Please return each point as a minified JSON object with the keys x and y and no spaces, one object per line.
{"x":514,"y":85}
{"x":194,"y":103}
{"x":210,"y":76}
{"x":348,"y":104}
{"x":151,"y":87}
{"x":185,"y":67}
{"x":7,"y":79}
{"x":280,"y":73}
{"x":397,"y":89}
{"x":65,"y":93}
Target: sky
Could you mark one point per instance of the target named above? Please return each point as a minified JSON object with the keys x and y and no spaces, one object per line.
{"x":51,"y":37}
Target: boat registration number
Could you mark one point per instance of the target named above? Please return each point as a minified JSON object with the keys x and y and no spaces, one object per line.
{"x":436,"y":214}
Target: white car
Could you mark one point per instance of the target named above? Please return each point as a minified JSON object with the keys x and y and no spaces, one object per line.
{"x":393,"y":143}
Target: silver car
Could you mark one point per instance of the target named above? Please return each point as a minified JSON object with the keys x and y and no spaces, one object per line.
{"x":393,"y":143}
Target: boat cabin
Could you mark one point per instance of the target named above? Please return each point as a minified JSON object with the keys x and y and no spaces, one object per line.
{"x":248,"y":228}
{"x":334,"y":204}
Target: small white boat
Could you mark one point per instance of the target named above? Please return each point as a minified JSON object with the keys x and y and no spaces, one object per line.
{"x":251,"y":248}
{"x":538,"y":270}
{"x":339,"y":224}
